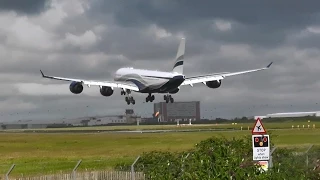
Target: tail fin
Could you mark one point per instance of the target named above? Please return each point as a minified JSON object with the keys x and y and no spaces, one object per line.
{"x":178,"y":64}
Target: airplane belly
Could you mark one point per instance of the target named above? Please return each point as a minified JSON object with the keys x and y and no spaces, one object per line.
{"x":155,"y":83}
{"x":163,"y":86}
{"x":151,"y":83}
{"x":173,"y":83}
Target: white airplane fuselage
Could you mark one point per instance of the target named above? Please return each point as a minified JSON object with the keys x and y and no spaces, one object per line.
{"x":149,"y":81}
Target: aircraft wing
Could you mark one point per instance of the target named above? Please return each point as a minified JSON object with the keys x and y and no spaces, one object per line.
{"x":123,"y":85}
{"x":217,"y":76}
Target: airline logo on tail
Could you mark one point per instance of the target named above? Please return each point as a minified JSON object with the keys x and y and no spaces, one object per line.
{"x":178,"y":64}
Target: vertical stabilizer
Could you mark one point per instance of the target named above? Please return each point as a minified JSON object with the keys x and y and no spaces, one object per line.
{"x":178,"y":64}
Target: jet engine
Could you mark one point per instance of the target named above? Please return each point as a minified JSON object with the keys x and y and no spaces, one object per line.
{"x":106,"y":91}
{"x":213,"y":84}
{"x":174,"y":91}
{"x":76,"y":87}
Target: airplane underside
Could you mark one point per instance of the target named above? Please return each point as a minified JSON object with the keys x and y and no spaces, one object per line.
{"x":150,"y":98}
{"x":168,"y":88}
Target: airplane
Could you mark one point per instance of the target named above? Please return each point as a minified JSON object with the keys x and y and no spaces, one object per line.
{"x":259,"y":127}
{"x":129,"y":80}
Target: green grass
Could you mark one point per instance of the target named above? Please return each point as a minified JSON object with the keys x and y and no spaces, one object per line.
{"x":39,"y":153}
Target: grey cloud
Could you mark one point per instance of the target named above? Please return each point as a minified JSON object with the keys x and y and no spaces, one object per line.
{"x":65,"y":65}
{"x":177,"y":13}
{"x":269,"y":30}
{"x":256,"y":22}
{"x":24,"y":7}
{"x":304,"y":40}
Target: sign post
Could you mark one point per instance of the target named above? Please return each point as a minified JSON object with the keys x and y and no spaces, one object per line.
{"x":260,"y":144}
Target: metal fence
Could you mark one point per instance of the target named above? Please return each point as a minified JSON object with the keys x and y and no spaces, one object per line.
{"x":86,"y":175}
{"x":89,"y":175}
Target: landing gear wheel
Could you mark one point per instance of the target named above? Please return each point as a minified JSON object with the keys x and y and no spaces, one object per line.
{"x":123,"y":92}
{"x":132,"y":100}
{"x":168,"y":98}
{"x":150,"y":98}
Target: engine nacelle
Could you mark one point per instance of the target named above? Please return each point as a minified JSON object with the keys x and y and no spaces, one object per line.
{"x":76,"y":87}
{"x":106,"y":91}
{"x":174,"y":91}
{"x":213,"y":84}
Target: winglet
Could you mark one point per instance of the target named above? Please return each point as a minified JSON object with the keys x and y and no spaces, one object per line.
{"x":42,"y":73}
{"x":269,"y":65}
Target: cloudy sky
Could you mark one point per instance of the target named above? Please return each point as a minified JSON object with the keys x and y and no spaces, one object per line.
{"x":91,"y":39}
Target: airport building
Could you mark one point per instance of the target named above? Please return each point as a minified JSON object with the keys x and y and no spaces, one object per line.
{"x":28,"y":124}
{"x":290,"y":114}
{"x":128,"y":118}
{"x":177,"y":111}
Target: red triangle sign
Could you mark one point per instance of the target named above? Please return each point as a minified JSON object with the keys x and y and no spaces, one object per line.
{"x":258,"y":128}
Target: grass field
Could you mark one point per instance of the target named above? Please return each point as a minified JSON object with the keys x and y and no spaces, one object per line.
{"x":35,"y":153}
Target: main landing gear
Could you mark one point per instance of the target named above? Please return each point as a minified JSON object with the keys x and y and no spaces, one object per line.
{"x":168,"y":98}
{"x":150,"y":98}
{"x":129,"y":99}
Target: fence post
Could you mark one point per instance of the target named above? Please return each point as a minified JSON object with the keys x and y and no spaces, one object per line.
{"x":132,"y":168}
{"x":7,"y":175}
{"x":73,"y":175}
{"x":270,"y":159}
{"x":182,"y":168}
{"x":307,"y":152}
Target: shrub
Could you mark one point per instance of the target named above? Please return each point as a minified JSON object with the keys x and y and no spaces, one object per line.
{"x":220,"y":158}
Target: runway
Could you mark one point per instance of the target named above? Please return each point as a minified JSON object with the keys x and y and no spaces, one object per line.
{"x":125,"y":131}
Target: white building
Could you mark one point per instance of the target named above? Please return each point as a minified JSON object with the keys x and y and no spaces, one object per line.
{"x":107,"y":120}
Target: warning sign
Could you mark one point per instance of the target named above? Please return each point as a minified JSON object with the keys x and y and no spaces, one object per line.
{"x":261,"y":141}
{"x":258,"y":128}
{"x":261,"y":147}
